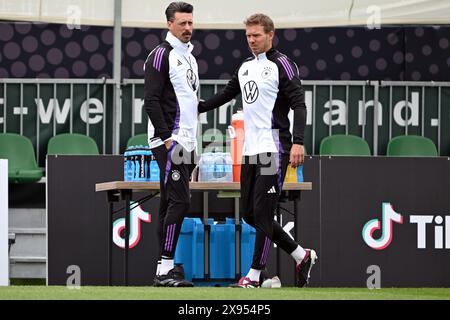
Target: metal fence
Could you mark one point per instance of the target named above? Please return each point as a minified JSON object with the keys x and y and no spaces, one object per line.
{"x":42,"y":108}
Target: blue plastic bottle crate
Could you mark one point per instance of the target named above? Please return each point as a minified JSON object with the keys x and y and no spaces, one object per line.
{"x":190,"y":248}
{"x":248,"y":235}
{"x":222,"y":251}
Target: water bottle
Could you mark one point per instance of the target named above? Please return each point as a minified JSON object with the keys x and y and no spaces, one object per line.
{"x":206,"y":167}
{"x":300,"y":174}
{"x":154,"y":168}
{"x":202,"y":168}
{"x":127,"y":165}
{"x":291,"y":174}
{"x":217,"y":163}
{"x":228,"y":167}
{"x":139,"y":165}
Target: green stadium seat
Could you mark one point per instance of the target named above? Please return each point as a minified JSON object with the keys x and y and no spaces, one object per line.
{"x":411,"y":146}
{"x":22,"y":165}
{"x":344,"y":145}
{"x":72,"y":144}
{"x":138,"y":140}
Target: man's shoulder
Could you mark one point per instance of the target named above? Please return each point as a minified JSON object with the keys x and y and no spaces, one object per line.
{"x":283,"y":62}
{"x":159,"y":53}
{"x":162,"y":49}
{"x":278,"y":57}
{"x":249,"y":59}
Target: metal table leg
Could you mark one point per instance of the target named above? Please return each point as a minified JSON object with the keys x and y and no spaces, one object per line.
{"x":112,"y":197}
{"x":207,"y":229}
{"x":238,"y":229}
{"x":126,"y":195}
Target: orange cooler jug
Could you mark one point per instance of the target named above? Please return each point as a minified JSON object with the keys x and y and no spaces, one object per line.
{"x":236,"y":133}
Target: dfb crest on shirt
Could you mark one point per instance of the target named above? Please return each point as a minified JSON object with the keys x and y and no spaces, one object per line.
{"x":191,"y":79}
{"x":251,"y":92}
{"x":176,"y":175}
{"x":266,"y":72}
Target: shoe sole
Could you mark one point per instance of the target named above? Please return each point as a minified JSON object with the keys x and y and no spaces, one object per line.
{"x":180,"y":285}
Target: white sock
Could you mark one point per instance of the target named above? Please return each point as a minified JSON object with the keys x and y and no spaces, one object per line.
{"x":298,"y":254}
{"x":254,"y":274}
{"x":166,"y":266}
{"x":158,"y":266}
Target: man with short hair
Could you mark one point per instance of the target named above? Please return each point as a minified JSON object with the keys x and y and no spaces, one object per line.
{"x":270,"y":85}
{"x":171,"y":84}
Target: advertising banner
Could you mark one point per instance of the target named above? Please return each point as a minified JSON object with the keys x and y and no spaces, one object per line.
{"x":373,"y":221}
{"x":40,"y":111}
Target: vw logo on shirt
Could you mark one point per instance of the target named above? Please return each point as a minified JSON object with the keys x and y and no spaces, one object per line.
{"x":251,"y":92}
{"x":191,"y":79}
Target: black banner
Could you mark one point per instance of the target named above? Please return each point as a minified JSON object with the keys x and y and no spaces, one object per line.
{"x":373,"y":221}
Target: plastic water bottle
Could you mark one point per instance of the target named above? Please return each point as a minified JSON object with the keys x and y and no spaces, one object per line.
{"x":208,"y":167}
{"x":139,"y":164}
{"x":154,"y":168}
{"x":300,"y":174}
{"x":228,"y":167}
{"x":127,"y":166}
{"x":217,"y":163}
{"x":202,"y":167}
{"x":131,"y":172}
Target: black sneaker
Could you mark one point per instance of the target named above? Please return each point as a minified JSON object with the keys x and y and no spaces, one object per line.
{"x":171,"y":279}
{"x":264,"y":275}
{"x":245,"y":282}
{"x":303,"y":269}
{"x":178,"y":272}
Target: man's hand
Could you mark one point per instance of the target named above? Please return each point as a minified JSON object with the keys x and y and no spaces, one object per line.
{"x":297,"y":156}
{"x":200,"y":106}
{"x":168,"y":143}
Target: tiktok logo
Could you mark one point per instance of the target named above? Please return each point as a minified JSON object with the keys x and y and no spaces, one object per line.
{"x":136,"y":216}
{"x":388,"y":217}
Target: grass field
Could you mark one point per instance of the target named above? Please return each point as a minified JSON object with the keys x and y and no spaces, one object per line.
{"x":212,"y":293}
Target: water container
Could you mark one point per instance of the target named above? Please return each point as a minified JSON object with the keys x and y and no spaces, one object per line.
{"x":248,"y":235}
{"x":185,"y":244}
{"x":140,"y":164}
{"x":222,"y":251}
{"x":222,"y":167}
{"x":190,"y":248}
{"x":127,"y":166}
{"x":130,"y":156}
{"x":300,"y":174}
{"x":204,"y":173}
{"x":228,"y":166}
{"x":291,"y":174}
{"x":236,"y":133}
{"x":154,"y":168}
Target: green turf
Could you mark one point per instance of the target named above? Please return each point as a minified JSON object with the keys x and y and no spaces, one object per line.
{"x":211,"y":293}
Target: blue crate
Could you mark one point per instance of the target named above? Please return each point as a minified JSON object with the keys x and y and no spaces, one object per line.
{"x":248,"y":235}
{"x":222,"y":251}
{"x":190,"y":248}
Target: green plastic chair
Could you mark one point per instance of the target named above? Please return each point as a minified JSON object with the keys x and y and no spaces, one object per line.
{"x":72,"y":144}
{"x":411,"y":146}
{"x":344,"y":145}
{"x":22,"y":165}
{"x":138,"y":140}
